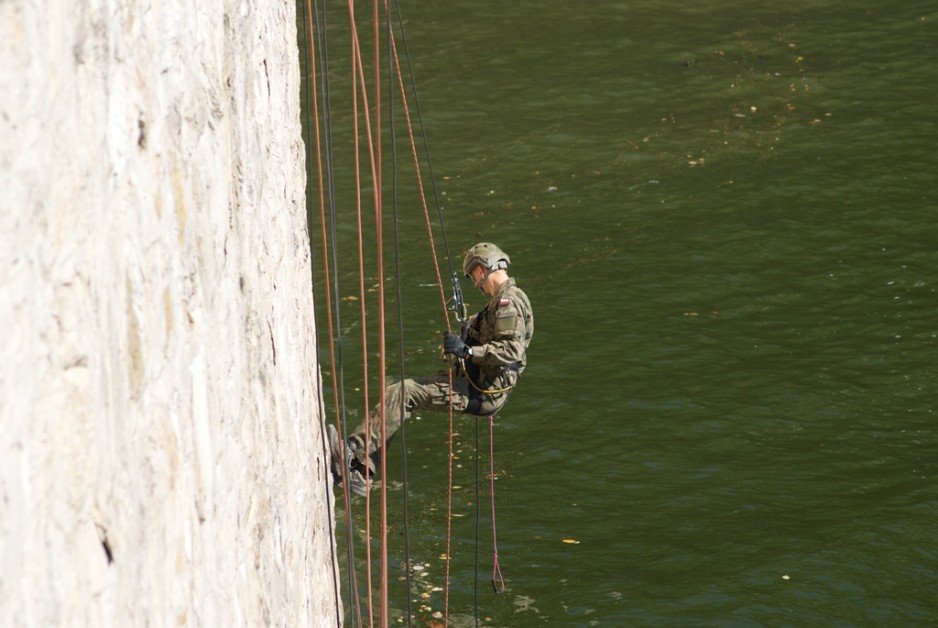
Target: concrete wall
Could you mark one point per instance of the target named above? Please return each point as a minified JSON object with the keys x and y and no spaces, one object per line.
{"x":160,"y":448}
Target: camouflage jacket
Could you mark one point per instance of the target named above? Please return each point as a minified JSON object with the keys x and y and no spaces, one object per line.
{"x":499,"y":336}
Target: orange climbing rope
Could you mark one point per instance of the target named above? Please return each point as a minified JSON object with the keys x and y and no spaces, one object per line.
{"x":312,"y":62}
{"x":372,"y":146}
{"x":364,"y":325}
{"x":313,"y":97}
{"x":443,"y":300}
{"x":359,"y":85}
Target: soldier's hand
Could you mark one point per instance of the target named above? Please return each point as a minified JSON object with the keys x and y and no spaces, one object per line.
{"x":454,"y":344}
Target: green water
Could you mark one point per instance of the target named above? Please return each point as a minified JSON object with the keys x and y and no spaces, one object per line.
{"x":724,"y":215}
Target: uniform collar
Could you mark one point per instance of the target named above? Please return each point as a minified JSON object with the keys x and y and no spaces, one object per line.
{"x":509,"y":283}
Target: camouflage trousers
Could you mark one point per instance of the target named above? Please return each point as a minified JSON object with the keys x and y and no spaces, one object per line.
{"x":423,"y":393}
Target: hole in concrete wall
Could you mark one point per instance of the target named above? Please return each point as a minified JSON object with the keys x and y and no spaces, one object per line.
{"x":273,"y":345}
{"x":105,"y":543}
{"x":142,"y":136}
{"x":107,"y":549}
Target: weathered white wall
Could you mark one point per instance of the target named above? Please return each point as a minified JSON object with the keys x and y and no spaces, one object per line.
{"x":158,"y":386}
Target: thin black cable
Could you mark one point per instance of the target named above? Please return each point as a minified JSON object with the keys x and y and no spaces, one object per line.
{"x":323,"y":46}
{"x":475,"y":586}
{"x":426,"y":143}
{"x":400,"y":310}
{"x":449,"y":257}
{"x":321,"y":406}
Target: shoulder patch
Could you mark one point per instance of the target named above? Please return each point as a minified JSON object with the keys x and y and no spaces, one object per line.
{"x":504,"y":301}
{"x":505,"y":323}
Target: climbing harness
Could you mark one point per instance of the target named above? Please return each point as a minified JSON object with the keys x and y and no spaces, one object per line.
{"x":484,"y":391}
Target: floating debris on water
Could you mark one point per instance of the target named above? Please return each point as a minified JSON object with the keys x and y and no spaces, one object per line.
{"x":524,"y":603}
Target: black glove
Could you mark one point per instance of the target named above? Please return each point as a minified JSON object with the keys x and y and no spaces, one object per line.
{"x":455,"y":345}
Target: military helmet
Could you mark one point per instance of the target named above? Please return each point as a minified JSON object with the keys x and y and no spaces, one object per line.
{"x":486,"y":254}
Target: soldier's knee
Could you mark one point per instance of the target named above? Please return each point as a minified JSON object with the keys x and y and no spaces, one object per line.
{"x":408,"y":388}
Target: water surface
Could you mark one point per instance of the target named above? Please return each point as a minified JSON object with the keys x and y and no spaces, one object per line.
{"x":724,"y":214}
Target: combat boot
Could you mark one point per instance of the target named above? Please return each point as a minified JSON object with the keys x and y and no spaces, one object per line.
{"x":359,"y":473}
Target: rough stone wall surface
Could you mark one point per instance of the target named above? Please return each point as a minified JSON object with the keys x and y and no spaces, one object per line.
{"x":161,"y":458}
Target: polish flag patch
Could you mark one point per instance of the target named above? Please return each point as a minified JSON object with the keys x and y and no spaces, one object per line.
{"x":503,"y":302}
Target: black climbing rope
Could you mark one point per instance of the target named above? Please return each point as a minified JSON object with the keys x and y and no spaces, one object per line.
{"x":400,"y":319}
{"x":426,"y":143}
{"x":321,"y":42}
{"x":307,"y":18}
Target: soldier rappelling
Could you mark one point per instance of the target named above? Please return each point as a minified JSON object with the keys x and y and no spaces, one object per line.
{"x":490,"y":359}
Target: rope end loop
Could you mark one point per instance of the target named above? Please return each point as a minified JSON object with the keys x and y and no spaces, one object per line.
{"x":498,"y":581}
